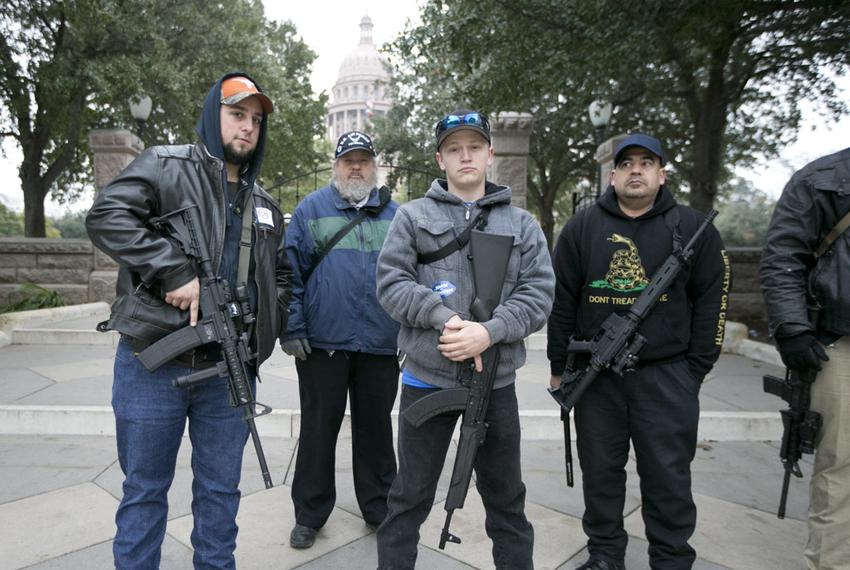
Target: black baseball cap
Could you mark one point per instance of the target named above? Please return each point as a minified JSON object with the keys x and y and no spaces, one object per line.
{"x":462,"y":120}
{"x":644,"y":141}
{"x":354,"y":140}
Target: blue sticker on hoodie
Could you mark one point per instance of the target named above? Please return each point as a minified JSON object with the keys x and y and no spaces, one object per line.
{"x":444,"y":288}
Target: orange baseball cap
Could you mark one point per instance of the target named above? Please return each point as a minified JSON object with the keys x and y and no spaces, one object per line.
{"x":238,"y":87}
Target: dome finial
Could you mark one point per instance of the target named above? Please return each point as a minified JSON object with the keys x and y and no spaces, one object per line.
{"x":366,"y":30}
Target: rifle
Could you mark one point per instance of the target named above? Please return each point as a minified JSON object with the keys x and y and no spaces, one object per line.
{"x":800,"y":424}
{"x":490,"y":254}
{"x":223,"y":320}
{"x":617,"y":343}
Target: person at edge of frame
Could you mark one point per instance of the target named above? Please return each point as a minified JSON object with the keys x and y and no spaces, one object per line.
{"x":432,"y":303}
{"x":808,"y":305}
{"x":158,"y":292}
{"x":343,"y":342}
{"x":604,"y":258}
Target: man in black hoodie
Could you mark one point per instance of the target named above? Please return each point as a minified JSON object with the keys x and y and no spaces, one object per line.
{"x":158,"y":292}
{"x":604,"y":258}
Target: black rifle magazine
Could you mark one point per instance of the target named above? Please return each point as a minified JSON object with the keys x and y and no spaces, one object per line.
{"x":440,"y":402}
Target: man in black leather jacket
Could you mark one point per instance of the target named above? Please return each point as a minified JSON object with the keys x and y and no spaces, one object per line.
{"x":158,"y":292}
{"x":806,"y":288}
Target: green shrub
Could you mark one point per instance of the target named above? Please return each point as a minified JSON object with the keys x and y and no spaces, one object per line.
{"x":34,"y":297}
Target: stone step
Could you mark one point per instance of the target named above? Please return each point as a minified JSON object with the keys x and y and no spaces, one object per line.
{"x":536,"y":424}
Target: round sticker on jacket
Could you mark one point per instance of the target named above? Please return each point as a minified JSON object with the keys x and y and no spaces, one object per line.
{"x":444,"y":288}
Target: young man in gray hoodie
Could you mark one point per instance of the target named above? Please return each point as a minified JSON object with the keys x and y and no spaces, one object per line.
{"x":432,"y":301}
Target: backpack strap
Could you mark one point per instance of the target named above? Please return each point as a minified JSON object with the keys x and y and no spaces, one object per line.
{"x":478,"y":223}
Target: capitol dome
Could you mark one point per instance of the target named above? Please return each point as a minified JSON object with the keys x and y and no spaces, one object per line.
{"x":361,"y":89}
{"x":364,"y":60}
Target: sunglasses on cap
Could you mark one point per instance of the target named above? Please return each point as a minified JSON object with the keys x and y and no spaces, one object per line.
{"x":467,"y":119}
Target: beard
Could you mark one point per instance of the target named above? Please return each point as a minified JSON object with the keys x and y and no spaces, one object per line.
{"x":234,"y":156}
{"x":354,"y":190}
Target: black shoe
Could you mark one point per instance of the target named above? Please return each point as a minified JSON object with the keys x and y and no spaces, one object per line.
{"x":600,"y":564}
{"x":302,"y":536}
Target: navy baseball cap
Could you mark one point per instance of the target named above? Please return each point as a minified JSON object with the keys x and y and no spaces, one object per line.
{"x":354,"y":140}
{"x":644,"y":141}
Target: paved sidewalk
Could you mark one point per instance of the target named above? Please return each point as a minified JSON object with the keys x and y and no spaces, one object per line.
{"x":62,"y":482}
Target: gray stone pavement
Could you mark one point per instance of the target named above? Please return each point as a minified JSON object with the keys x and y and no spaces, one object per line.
{"x":62,"y":483}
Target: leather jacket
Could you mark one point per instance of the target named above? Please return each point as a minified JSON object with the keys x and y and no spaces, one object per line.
{"x":804,"y":292}
{"x":161,"y":180}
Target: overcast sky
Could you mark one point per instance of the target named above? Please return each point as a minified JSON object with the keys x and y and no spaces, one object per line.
{"x":331,"y":29}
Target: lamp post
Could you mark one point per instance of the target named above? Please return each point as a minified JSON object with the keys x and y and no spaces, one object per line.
{"x":140,"y":108}
{"x":600,"y":115}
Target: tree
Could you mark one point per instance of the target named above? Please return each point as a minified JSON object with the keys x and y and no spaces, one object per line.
{"x":11,"y":222}
{"x":719,"y":82}
{"x":744,"y":214}
{"x":70,"y":66}
{"x":71,"y":225}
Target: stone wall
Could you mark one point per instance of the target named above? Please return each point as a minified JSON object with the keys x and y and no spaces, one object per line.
{"x":82,"y":274}
{"x":746,"y":304}
{"x":73,"y":267}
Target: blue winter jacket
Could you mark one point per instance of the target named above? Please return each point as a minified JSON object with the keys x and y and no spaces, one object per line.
{"x":337,"y":308}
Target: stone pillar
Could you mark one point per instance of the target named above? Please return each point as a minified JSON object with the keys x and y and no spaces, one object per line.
{"x":605,"y":157}
{"x":511,"y":133}
{"x":113,"y":150}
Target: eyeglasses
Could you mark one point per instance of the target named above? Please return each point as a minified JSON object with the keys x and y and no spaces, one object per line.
{"x":452,"y":121}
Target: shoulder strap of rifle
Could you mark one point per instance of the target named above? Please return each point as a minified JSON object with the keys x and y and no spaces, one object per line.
{"x":478,"y":223}
{"x":320,"y":254}
{"x":671,"y":220}
{"x":245,"y":240}
{"x":833,"y":234}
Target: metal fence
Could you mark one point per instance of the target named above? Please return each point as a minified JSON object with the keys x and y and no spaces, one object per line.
{"x":407,"y":183}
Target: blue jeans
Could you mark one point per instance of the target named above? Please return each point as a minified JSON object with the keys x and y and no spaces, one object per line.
{"x":150,"y":416}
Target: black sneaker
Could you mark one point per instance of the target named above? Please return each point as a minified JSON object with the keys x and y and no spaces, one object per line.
{"x":302,"y":536}
{"x":601,"y":564}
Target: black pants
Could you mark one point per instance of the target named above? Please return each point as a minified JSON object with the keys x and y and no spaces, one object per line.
{"x":421,"y":454}
{"x":658,"y":409}
{"x":324,"y":384}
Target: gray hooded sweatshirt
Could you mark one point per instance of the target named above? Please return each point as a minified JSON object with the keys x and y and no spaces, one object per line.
{"x":423,"y":297}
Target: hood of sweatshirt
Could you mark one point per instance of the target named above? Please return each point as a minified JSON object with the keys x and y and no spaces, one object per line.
{"x":209,"y":130}
{"x":493,"y":193}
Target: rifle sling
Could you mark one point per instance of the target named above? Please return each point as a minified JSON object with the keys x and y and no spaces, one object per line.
{"x":245,"y":240}
{"x":478,"y":223}
{"x":833,"y":234}
{"x":671,"y":220}
{"x":320,"y":253}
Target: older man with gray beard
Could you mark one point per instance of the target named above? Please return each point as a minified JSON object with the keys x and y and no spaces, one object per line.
{"x":343,"y":342}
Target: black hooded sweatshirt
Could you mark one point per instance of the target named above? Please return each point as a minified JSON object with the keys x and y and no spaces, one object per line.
{"x":603,"y":260}
{"x":209,"y":131}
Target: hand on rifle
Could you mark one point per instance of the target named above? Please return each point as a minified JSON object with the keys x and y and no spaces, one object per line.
{"x":801,"y":352}
{"x":461,"y":340}
{"x":186,"y":297}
